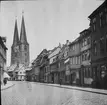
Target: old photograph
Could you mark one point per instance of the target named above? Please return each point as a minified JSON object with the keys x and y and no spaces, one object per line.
{"x":53,"y":52}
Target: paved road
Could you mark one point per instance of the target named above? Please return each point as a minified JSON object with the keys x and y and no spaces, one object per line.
{"x":26,"y":93}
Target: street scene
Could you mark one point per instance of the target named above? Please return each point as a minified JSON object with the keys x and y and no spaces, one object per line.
{"x":30,"y":93}
{"x":53,"y":52}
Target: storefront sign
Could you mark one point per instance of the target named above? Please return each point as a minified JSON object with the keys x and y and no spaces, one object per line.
{"x":88,"y":80}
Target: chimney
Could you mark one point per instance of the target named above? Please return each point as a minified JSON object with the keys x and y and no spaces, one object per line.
{"x":67,"y":42}
{"x":17,"y":64}
{"x":59,"y":44}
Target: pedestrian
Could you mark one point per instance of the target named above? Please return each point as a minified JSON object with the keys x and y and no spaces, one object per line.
{"x":60,"y":81}
{"x":5,"y":81}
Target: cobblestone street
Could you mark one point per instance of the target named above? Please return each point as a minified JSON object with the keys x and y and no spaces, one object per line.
{"x":26,"y":93}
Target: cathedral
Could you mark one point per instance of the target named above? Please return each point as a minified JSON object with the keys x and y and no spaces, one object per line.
{"x":20,"y":46}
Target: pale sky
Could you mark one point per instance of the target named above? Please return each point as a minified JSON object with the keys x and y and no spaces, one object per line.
{"x":47,"y":22}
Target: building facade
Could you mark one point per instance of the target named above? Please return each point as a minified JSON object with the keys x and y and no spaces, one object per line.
{"x":53,"y":65}
{"x":85,"y":49}
{"x":98,"y":24}
{"x":64,"y":63}
{"x":75,"y":62}
{"x":3,"y":50}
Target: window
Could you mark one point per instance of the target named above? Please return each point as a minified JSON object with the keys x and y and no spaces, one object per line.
{"x":88,"y":55}
{"x":25,"y":54}
{"x":101,"y":18}
{"x":106,"y":14}
{"x":73,"y":60}
{"x":76,"y":60}
{"x":94,"y":48}
{"x":15,"y":54}
{"x":88,"y":40}
{"x":82,"y":57}
{"x":73,"y":47}
{"x":70,"y":60}
{"x":94,"y":24}
{"x":25,"y":47}
{"x":101,"y":45}
{"x":85,"y":42}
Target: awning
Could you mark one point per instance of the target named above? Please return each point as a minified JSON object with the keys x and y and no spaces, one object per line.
{"x":6,"y":75}
{"x":66,"y":61}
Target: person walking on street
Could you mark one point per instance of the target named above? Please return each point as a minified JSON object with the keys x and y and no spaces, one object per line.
{"x":60,"y":81}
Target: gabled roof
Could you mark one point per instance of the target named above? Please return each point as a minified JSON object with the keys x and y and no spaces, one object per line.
{"x":12,"y":67}
{"x":20,"y":67}
{"x":98,"y":9}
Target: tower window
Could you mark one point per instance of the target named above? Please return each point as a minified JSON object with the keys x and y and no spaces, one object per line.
{"x":25,"y":48}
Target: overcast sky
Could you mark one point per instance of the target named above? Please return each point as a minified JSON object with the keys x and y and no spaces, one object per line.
{"x":47,"y":22}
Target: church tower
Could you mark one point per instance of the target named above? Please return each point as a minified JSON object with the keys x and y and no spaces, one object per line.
{"x":20,"y":48}
{"x":24,"y":46}
{"x":15,"y":53}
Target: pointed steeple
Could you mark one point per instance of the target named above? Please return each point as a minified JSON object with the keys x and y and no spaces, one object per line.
{"x":23,"y":38}
{"x":16,"y":36}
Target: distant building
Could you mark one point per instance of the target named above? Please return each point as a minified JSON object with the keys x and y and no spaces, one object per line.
{"x":3,"y":59}
{"x":63,"y":63}
{"x":53,"y":65}
{"x":19,"y":53}
{"x":20,"y":48}
{"x":98,"y":24}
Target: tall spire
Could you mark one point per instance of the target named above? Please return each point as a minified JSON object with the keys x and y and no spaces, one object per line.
{"x":23,"y":38}
{"x":16,"y":36}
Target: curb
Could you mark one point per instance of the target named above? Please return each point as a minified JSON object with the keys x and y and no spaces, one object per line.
{"x":7,"y":87}
{"x":74,"y":88}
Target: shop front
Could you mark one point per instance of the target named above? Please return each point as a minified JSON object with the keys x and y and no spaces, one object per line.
{"x":74,"y":77}
{"x":99,"y":74}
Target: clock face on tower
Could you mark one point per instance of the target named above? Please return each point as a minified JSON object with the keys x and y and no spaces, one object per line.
{"x":16,"y":49}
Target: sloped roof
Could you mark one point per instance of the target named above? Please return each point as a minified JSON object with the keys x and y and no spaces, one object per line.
{"x":12,"y":67}
{"x":28,"y":69}
{"x":21,"y":66}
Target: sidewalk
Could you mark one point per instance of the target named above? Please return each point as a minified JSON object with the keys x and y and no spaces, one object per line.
{"x":86,"y":89}
{"x":8,"y":85}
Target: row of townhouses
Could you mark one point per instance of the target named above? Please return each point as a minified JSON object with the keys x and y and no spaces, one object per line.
{"x":82,"y":62}
{"x":3,"y":50}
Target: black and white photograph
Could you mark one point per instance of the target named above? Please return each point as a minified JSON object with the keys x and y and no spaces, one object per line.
{"x":53,"y":52}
